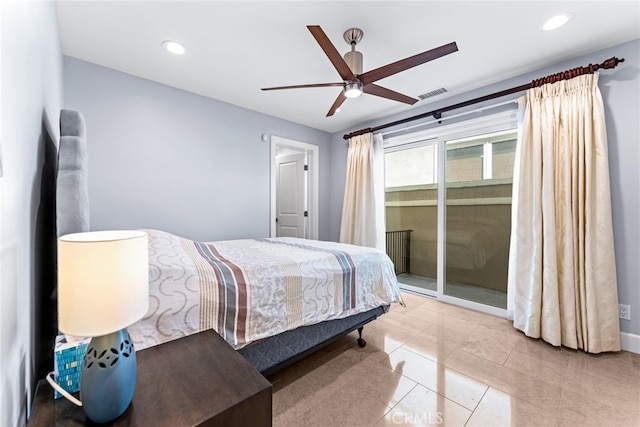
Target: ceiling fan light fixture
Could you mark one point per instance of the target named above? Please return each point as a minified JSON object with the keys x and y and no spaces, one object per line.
{"x":174,"y":47}
{"x":353,"y":89}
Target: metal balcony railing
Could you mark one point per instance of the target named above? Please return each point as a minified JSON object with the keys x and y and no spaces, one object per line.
{"x":399,"y":249}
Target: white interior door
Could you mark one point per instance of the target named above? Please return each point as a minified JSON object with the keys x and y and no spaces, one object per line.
{"x":291,"y":195}
{"x":283,"y":147}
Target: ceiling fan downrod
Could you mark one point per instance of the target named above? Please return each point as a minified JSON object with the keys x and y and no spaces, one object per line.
{"x":353,"y":58}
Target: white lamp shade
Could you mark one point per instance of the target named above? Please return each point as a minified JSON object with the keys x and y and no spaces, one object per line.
{"x":103,"y":281}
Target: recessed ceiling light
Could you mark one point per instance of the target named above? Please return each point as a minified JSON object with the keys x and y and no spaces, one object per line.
{"x":338,"y":110}
{"x":557,"y":21}
{"x":174,"y":47}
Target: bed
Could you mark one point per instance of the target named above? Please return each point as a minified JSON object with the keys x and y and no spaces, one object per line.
{"x":273,"y":300}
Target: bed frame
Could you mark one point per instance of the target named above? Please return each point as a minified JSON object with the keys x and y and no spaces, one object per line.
{"x":276,"y":352}
{"x":72,"y":216}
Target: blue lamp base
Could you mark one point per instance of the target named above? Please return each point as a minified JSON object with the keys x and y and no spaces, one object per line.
{"x":108,"y":377}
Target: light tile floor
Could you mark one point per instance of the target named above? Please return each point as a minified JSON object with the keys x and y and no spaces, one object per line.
{"x":436,"y":364}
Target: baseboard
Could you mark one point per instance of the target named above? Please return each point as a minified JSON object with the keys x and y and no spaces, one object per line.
{"x":630,"y":342}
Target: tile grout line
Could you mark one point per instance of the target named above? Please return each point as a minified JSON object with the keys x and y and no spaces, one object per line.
{"x":479,"y":401}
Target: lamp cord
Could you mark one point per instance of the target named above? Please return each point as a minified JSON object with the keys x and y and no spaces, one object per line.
{"x":62,"y":391}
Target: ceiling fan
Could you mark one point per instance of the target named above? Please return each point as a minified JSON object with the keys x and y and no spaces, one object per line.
{"x":355,"y":82}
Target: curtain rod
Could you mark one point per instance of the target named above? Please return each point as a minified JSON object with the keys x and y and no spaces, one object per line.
{"x":553,"y":78}
{"x":454,"y":116}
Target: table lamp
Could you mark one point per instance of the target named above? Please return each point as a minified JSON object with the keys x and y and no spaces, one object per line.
{"x":103,"y":287}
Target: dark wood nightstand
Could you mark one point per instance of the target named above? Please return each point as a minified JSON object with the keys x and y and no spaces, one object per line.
{"x":198,"y":380}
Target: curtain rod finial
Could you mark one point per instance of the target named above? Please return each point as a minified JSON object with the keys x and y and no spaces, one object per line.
{"x":612,"y":62}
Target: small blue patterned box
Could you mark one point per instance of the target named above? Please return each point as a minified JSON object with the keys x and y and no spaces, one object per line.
{"x":67,"y":363}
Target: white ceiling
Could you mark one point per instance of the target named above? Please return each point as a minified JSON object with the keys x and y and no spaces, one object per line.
{"x":237,"y":47}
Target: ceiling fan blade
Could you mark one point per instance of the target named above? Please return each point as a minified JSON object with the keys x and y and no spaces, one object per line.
{"x":383,"y":92}
{"x":331,"y":51}
{"x":336,"y":104}
{"x":304,"y":86}
{"x":404,"y":64}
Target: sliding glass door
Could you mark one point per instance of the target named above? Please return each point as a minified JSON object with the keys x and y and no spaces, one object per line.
{"x":411,"y":187}
{"x":453,"y":243}
{"x":479,"y":173}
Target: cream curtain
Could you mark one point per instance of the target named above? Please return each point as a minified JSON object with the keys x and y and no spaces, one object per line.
{"x":562,"y":263}
{"x":363,"y":208}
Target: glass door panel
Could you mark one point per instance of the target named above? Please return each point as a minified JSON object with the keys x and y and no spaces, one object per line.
{"x":479,"y":173}
{"x":411,"y":203}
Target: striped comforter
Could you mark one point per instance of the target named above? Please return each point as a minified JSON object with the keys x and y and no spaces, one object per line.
{"x":249,"y":289}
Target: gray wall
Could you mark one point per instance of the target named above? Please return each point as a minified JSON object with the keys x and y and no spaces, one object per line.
{"x":31,"y":98}
{"x":621,"y":94}
{"x":164,"y":158}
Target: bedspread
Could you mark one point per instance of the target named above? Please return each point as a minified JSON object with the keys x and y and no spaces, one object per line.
{"x":251,"y":289}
